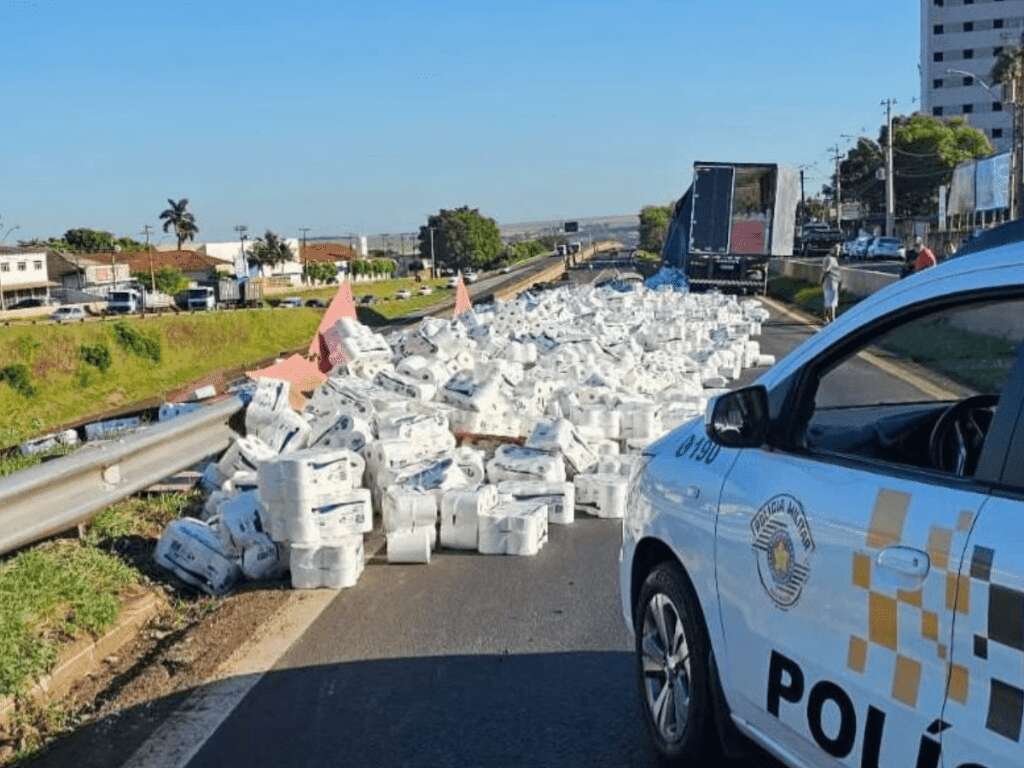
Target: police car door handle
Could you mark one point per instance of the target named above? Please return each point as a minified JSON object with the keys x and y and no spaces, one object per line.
{"x":692,"y":492}
{"x":905,"y":561}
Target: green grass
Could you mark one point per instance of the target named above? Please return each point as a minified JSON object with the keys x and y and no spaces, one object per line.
{"x":973,"y":360}
{"x":49,"y":594}
{"x":140,"y":516}
{"x":381,"y":289}
{"x":191,"y":346}
{"x":806,"y":296}
{"x":15,"y":462}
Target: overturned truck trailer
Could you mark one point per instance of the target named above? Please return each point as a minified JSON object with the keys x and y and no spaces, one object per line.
{"x":730,"y":222}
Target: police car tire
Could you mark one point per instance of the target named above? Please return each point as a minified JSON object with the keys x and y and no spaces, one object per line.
{"x":698,"y":736}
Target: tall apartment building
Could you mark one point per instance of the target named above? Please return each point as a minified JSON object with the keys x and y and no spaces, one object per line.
{"x":966,"y":36}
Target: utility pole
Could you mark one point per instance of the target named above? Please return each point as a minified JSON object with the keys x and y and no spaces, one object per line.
{"x":147,"y":230}
{"x":890,"y":172}
{"x":241,"y":229}
{"x":433,"y":262}
{"x":302,"y":250}
{"x":837,"y":192}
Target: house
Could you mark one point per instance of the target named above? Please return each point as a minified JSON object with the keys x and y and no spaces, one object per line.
{"x":23,"y":275}
{"x":228,"y":252}
{"x":195,"y":266}
{"x":337,"y":254}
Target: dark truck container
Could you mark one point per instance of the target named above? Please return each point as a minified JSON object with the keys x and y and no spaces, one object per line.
{"x":730,"y":222}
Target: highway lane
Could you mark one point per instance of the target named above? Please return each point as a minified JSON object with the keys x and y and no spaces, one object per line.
{"x":472,"y":660}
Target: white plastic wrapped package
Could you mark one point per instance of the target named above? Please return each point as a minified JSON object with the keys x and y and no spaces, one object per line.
{"x":405,"y":386}
{"x":268,"y":400}
{"x":263,"y":560}
{"x":192,"y":550}
{"x":347,"y":432}
{"x":240,"y":525}
{"x":404,"y":509}
{"x":414,"y":425}
{"x":602,"y":496}
{"x":397,"y":454}
{"x":471,"y":462}
{"x":560,"y":498}
{"x":596,"y":421}
{"x":559,"y":436}
{"x":460,"y":510}
{"x":640,"y":421}
{"x":170,"y":411}
{"x":441,"y":475}
{"x":513,"y":528}
{"x":288,"y":432}
{"x":333,"y":564}
{"x":245,"y":454}
{"x":512,"y":462}
{"x":368,"y":346}
{"x":464,"y":391}
{"x":349,"y":514}
{"x":409,"y":546}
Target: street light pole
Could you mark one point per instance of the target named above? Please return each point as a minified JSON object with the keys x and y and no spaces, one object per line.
{"x":147,"y":230}
{"x":838,"y":189}
{"x":433,"y":261}
{"x":890,"y":172}
{"x":302,"y":250}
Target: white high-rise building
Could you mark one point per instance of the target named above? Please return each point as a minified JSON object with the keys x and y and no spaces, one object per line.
{"x":960,"y":40}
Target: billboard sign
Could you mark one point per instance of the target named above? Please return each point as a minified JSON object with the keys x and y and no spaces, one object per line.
{"x":572,"y":227}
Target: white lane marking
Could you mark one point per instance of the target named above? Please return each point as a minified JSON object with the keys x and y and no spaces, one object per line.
{"x":191,"y":725}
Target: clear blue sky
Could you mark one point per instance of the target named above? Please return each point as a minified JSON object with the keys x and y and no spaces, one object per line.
{"x":359,"y":116}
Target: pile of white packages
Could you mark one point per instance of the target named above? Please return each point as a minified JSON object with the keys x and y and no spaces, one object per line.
{"x":569,"y":385}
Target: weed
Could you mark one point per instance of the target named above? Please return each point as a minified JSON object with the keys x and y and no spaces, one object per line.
{"x":19,"y":379}
{"x":60,"y":589}
{"x":96,"y":355}
{"x":135,"y":342}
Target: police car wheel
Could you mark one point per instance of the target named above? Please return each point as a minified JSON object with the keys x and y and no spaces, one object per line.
{"x":671,"y":663}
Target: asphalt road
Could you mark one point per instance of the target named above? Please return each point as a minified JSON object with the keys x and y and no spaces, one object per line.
{"x":470,"y":661}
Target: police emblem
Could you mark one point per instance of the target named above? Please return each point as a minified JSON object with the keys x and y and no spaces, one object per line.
{"x":783,"y":546}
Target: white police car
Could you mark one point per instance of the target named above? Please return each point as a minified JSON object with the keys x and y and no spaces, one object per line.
{"x":832,"y":562}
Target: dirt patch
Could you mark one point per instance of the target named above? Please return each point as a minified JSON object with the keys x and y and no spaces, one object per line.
{"x":109,"y":714}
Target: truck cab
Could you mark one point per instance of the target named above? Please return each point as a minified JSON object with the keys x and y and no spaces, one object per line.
{"x":202,"y":298}
{"x":123,"y":302}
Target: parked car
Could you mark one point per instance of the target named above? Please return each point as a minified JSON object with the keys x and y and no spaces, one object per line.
{"x":470,"y":277}
{"x":886,"y":248}
{"x":505,"y":270}
{"x":30,"y":303}
{"x":292,"y":302}
{"x":860,"y":247}
{"x":835,"y":565}
{"x":318,"y":303}
{"x":367,"y":300}
{"x":68,"y":315}
{"x":425,"y":290}
{"x":453,"y":282}
{"x":404,"y":293}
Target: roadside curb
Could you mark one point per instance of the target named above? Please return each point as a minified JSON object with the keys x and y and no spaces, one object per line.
{"x":85,"y":656}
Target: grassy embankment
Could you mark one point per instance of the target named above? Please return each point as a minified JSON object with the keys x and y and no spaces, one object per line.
{"x":64,"y":387}
{"x":63,"y":590}
{"x":386,"y":307}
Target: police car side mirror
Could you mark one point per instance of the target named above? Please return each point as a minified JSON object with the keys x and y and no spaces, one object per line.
{"x":739,"y":419}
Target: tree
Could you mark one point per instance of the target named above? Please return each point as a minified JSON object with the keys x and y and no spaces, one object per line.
{"x":1008,"y":69}
{"x":269,"y":251}
{"x":84,"y":240}
{"x":814,"y":208}
{"x":654,"y":222}
{"x":181,"y":220}
{"x":167,"y":279}
{"x":926,"y":149}
{"x":463,"y":238}
{"x":320,"y":271}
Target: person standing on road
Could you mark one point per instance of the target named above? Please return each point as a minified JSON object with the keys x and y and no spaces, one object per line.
{"x":831,"y":279}
{"x":925,"y":257}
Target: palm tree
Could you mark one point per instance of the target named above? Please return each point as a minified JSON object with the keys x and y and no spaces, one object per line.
{"x":1008,"y":69}
{"x":269,"y":251}
{"x":181,"y":219}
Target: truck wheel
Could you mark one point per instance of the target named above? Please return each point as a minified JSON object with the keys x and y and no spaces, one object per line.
{"x":672,"y":667}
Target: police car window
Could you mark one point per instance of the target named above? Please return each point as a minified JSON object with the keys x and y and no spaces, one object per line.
{"x":893,"y":400}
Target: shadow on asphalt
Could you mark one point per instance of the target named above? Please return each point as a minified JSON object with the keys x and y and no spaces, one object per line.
{"x":552,"y":709}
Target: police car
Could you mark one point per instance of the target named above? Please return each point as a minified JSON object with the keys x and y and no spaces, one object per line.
{"x":831,"y":562}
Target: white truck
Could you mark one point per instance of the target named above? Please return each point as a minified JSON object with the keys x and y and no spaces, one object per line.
{"x":202,"y":298}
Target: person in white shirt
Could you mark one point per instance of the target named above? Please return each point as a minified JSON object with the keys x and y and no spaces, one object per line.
{"x":830,"y":281}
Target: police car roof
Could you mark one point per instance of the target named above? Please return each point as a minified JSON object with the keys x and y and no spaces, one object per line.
{"x":1011,"y":232}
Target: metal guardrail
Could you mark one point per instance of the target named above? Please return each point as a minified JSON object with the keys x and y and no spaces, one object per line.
{"x":58,"y":495}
